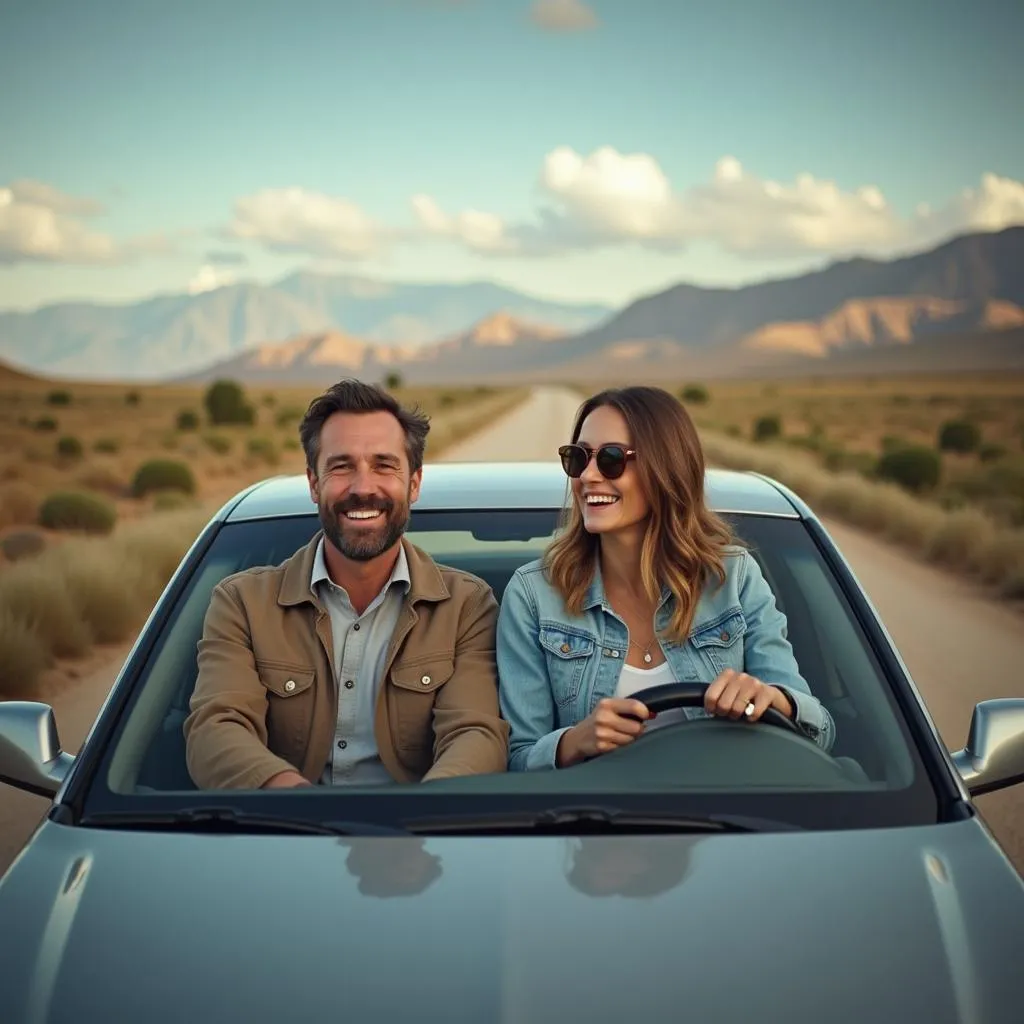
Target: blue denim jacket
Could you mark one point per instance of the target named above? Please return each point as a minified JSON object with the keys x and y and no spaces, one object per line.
{"x":554,"y":667}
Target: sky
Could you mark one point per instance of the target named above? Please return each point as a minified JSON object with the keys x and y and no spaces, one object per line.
{"x":584,"y":151}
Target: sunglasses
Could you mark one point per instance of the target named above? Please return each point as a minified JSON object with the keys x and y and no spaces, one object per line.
{"x":611,"y":459}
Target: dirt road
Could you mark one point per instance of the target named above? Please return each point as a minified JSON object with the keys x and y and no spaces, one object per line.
{"x":960,"y":647}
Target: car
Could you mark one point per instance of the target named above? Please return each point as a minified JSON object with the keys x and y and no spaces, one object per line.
{"x":713,"y":870}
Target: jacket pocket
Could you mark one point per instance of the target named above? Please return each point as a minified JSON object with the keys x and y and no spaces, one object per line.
{"x":415,"y":690}
{"x":568,"y":653}
{"x":289,"y":708}
{"x":721,"y":642}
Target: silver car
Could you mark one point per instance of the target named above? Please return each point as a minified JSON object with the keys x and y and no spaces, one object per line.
{"x":713,"y":871}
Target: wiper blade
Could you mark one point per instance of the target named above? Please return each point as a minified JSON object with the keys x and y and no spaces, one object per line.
{"x":228,"y":819}
{"x":596,"y":819}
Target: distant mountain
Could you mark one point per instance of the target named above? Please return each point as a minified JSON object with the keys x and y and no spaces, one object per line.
{"x":313,"y":358}
{"x":174,"y":335}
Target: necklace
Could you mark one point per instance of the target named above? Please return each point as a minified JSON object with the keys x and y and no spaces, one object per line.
{"x":646,"y":650}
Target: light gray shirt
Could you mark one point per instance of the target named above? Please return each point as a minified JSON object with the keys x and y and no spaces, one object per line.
{"x":360,"y":644}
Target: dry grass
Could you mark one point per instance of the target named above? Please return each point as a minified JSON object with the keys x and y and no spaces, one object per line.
{"x":964,"y":540}
{"x":81,"y":591}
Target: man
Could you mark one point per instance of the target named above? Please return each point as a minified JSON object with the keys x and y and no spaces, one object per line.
{"x":358,"y":660}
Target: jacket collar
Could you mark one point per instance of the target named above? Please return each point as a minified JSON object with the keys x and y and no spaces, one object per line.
{"x":425,"y":580}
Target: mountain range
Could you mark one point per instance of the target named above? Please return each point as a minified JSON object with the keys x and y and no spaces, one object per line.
{"x":957,"y":307}
{"x":174,"y":335}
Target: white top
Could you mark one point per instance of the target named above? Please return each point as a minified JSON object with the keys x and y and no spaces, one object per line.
{"x":631,"y":680}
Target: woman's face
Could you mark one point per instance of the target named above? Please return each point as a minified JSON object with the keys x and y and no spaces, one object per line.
{"x":609,"y":506}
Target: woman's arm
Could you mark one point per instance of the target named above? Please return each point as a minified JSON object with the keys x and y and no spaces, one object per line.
{"x":524,"y":689}
{"x":768,"y":654}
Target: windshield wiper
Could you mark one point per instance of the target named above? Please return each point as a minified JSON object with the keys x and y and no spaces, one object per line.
{"x":228,"y":819}
{"x":598,"y":819}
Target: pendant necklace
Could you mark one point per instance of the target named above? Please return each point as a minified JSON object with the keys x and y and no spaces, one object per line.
{"x":646,"y":650}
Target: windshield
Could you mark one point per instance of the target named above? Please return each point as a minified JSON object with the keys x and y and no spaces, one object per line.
{"x":873,"y":775}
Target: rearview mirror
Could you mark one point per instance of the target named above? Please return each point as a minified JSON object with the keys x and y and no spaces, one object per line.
{"x":994,"y":755}
{"x":30,"y":754}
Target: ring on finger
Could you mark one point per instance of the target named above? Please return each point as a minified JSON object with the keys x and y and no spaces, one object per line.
{"x":749,"y":709}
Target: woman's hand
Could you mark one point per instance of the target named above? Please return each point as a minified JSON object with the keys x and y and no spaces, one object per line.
{"x":605,"y":728}
{"x":731,"y":693}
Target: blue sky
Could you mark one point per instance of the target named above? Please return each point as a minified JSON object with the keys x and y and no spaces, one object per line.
{"x":137,"y":139}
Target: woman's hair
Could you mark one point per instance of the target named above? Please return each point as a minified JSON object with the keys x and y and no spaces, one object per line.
{"x":685,"y":541}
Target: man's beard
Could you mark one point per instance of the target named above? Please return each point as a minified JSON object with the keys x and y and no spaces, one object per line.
{"x":359,"y":543}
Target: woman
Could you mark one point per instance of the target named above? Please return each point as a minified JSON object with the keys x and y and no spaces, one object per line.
{"x":644,"y":585}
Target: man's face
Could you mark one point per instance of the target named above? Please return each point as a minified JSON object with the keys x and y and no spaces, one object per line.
{"x":362,"y":487}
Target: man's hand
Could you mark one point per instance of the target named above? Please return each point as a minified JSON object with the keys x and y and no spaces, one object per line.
{"x":286,"y":780}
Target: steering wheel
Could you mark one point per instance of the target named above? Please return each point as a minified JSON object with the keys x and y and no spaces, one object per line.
{"x":691,"y":695}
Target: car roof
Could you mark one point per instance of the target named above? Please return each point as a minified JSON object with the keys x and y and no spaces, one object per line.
{"x":506,"y":485}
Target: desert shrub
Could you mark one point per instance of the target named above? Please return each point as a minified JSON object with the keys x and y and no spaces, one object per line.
{"x":959,"y":436}
{"x":226,"y":403}
{"x":893,"y":442}
{"x":188,"y":420}
{"x":217,"y":443}
{"x":269,"y":399}
{"x":289,"y":415}
{"x":59,"y":398}
{"x":991,"y":452}
{"x":263,"y":448}
{"x":19,"y":503}
{"x":45,"y":424}
{"x":447,"y":400}
{"x":838,"y":460}
{"x":694,"y":394}
{"x":913,"y":467}
{"x":290,"y":444}
{"x":163,"y":475}
{"x":107,"y":446}
{"x":132,"y":398}
{"x":23,"y":656}
{"x":393,"y":381}
{"x":767,"y":427}
{"x":79,"y":511}
{"x":69,"y":447}
{"x":21,"y":544}
{"x":734,"y":430}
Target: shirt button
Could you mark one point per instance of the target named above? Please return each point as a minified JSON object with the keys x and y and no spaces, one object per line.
{"x":356,"y":627}
{"x":342,"y":744}
{"x":349,"y":684}
{"x":565,"y":648}
{"x":425,"y":680}
{"x":615,"y":654}
{"x":289,"y":686}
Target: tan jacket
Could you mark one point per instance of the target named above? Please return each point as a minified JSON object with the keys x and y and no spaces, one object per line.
{"x":266,"y":698}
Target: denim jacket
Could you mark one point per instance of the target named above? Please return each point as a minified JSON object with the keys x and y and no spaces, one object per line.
{"x":554,"y":667}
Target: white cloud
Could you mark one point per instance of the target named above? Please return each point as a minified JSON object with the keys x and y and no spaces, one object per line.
{"x":297,"y":220}
{"x":481,"y":232}
{"x":563,"y":15}
{"x":41,"y":224}
{"x":35,"y":228}
{"x":610,"y":198}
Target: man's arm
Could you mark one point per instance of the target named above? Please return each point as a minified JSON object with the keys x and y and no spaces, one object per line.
{"x":470,"y":736}
{"x":226,"y":730}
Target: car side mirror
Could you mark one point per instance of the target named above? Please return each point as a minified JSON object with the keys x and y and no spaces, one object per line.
{"x":994,"y":755}
{"x":30,"y":754}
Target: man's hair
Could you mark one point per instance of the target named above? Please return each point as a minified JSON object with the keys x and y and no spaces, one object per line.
{"x":355,"y":396}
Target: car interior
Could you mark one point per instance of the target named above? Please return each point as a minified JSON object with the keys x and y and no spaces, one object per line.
{"x":833,"y":657}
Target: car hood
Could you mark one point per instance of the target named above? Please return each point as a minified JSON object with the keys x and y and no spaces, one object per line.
{"x":893,"y":925}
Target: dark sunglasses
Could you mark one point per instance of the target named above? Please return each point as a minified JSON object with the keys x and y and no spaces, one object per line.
{"x":611,"y":459}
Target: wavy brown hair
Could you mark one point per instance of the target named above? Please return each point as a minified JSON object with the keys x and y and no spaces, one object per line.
{"x":685,"y":542}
